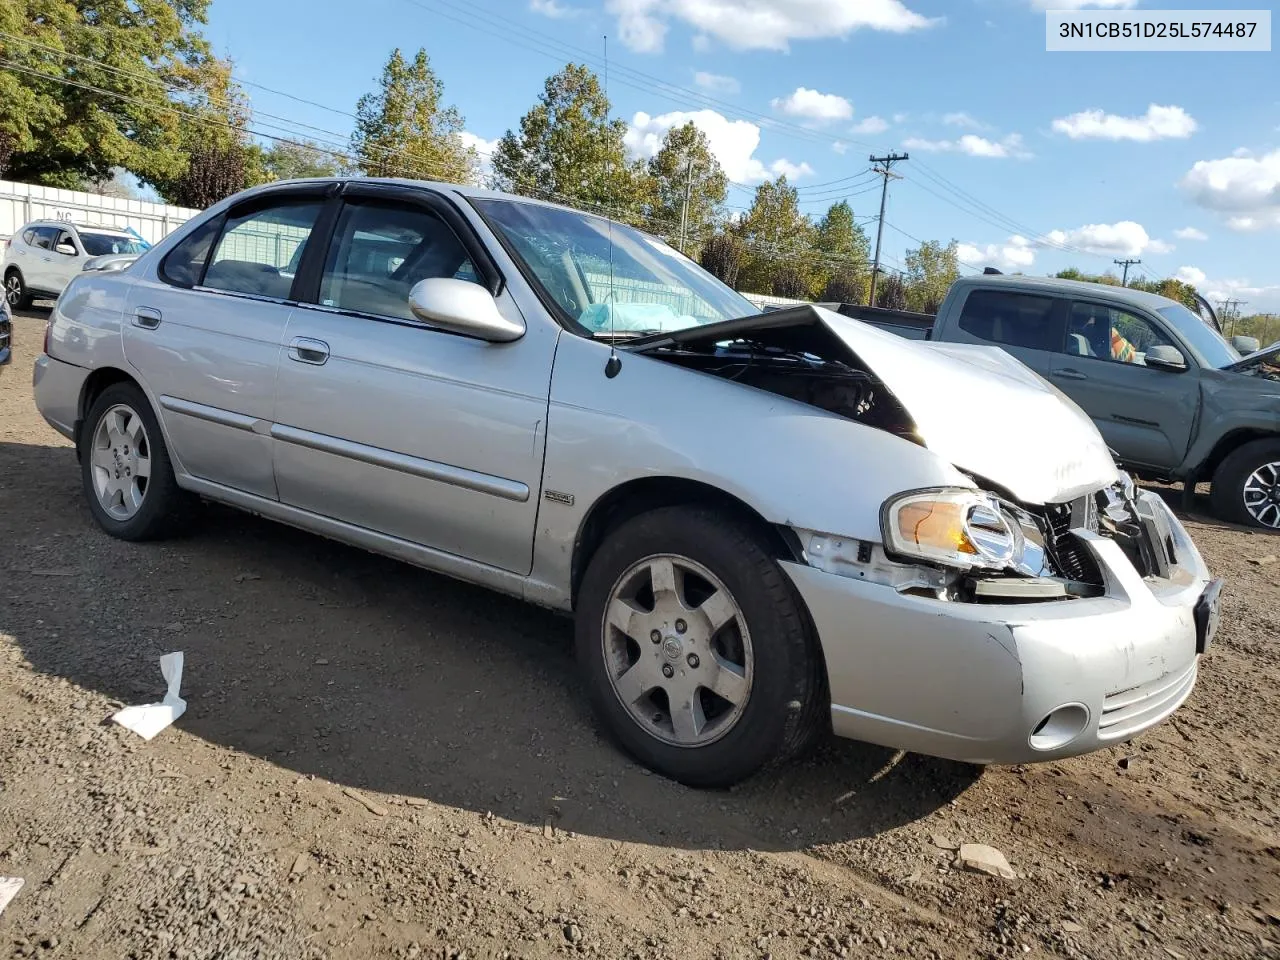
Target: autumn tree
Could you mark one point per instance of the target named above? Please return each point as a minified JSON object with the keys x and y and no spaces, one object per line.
{"x":843,"y":274}
{"x":722,"y":255}
{"x":403,"y":129}
{"x":931,"y":269}
{"x":776,"y":234}
{"x":568,"y":149}
{"x":300,"y":159}
{"x":891,"y":291}
{"x":686,"y":187}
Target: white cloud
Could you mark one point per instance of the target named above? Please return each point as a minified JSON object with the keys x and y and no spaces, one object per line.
{"x":1122,"y":239}
{"x":1261,"y":298}
{"x":1158,"y":123}
{"x":814,"y":106}
{"x":962,"y":119}
{"x":716,"y":83}
{"x":1016,"y":253}
{"x":553,"y":9}
{"x":1190,"y":233}
{"x":840,"y":148}
{"x":870,"y":125}
{"x":901,"y":117}
{"x":1192,"y":275}
{"x":1081,"y":4}
{"x":484,"y":152}
{"x":973,"y":145}
{"x":733,"y":142}
{"x":758,"y":24}
{"x":1244,"y":188}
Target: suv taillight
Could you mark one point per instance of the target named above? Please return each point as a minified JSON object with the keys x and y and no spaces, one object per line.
{"x":48,"y":329}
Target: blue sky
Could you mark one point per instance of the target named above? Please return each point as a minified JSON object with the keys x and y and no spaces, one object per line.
{"x":1031,"y":160}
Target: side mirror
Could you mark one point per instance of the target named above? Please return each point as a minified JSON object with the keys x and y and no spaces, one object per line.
{"x":66,"y":247}
{"x":461,"y":306}
{"x":1163,"y":357}
{"x":1245,"y":345}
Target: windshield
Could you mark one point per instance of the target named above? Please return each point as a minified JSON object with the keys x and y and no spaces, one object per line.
{"x":648,"y":288}
{"x":101,"y":244}
{"x":1210,"y":349}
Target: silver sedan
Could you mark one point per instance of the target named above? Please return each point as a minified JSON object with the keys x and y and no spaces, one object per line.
{"x":764,"y":526}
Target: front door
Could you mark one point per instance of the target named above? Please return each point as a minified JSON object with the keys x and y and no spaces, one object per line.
{"x":390,"y":424}
{"x":1145,"y":414}
{"x":206,"y":334}
{"x":65,"y":262}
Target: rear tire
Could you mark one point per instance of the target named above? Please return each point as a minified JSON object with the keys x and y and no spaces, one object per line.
{"x":728,"y":622}
{"x":15,"y":290}
{"x":1246,"y":486}
{"x":125,"y":469}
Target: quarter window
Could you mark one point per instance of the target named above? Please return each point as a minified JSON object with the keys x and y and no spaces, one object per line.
{"x":1013,"y":319}
{"x":1107,"y":333}
{"x":379,"y":252}
{"x":258,"y":251}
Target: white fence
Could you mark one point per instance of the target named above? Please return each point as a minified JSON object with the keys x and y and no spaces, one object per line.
{"x":21,"y":203}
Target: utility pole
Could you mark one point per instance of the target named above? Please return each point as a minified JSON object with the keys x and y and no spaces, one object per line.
{"x":1231,"y":310}
{"x":1124,"y":281}
{"x":882,"y":167}
{"x":684,"y":209}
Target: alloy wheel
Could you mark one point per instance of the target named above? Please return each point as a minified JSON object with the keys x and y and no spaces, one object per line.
{"x":120,"y":458}
{"x":13,"y":290}
{"x":1262,"y":495}
{"x":677,"y":650}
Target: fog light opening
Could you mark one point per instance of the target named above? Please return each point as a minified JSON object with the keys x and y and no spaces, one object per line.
{"x":1059,"y":727}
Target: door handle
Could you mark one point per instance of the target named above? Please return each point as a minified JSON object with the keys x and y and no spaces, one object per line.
{"x":1070,"y":374}
{"x":148,"y":318}
{"x":306,"y":350}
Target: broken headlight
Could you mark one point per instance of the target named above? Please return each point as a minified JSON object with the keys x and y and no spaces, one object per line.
{"x":958,"y":528}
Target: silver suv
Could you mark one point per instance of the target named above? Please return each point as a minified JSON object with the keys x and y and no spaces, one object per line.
{"x":42,"y":257}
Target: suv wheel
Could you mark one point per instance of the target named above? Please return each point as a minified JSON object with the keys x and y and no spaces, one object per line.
{"x":696,"y":652}
{"x":128,"y":479}
{"x":15,"y":291}
{"x":1246,"y":486}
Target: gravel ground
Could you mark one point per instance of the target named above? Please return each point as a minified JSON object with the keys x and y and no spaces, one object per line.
{"x":379,"y":762}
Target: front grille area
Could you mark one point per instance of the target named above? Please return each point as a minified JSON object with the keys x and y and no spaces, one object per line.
{"x":1070,"y":556}
{"x":1126,"y":712}
{"x":5,"y":334}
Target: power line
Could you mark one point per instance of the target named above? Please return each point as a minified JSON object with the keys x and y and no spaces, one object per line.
{"x":883,"y":166}
{"x":1126,"y":264}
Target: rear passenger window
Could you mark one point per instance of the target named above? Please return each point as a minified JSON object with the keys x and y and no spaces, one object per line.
{"x":44,"y":237}
{"x":255,"y":254}
{"x":1013,"y":319}
{"x":379,"y":252}
{"x":184,"y":264}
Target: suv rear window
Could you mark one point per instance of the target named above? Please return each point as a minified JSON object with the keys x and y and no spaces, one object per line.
{"x":1014,"y":319}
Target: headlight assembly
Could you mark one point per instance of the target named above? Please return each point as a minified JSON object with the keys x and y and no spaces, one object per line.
{"x":958,"y":528}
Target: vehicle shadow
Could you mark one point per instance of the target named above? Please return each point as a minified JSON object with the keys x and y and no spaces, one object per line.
{"x":326,"y":660}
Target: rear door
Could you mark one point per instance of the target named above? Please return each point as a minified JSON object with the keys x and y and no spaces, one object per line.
{"x":206,"y":333}
{"x":1026,"y":325}
{"x":1145,"y":415}
{"x":37,"y":268}
{"x":390,"y":424}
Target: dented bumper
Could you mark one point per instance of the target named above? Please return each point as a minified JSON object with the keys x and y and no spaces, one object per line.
{"x":995,"y":683}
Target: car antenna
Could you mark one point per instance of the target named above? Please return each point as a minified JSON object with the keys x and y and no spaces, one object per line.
{"x":613,"y":366}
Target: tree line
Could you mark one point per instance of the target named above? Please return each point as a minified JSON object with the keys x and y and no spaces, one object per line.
{"x":90,"y":88}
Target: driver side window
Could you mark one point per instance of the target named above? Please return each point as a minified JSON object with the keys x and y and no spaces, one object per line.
{"x":1108,"y":333}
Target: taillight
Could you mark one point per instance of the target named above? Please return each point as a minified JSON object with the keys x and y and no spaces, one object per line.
{"x":48,"y":329}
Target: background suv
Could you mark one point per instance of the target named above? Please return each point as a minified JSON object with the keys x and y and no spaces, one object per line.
{"x":42,"y":257}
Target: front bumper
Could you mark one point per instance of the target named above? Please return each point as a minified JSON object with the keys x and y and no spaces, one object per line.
{"x":58,"y":387}
{"x":976,"y":682}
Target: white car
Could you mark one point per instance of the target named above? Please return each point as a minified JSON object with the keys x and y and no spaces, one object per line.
{"x":43,"y":257}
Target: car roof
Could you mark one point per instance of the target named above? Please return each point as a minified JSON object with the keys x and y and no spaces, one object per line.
{"x":1057,"y":286}
{"x":67,"y":224}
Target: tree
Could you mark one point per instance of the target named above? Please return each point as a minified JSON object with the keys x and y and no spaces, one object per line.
{"x":776,"y":234}
{"x":299,"y":159}
{"x":843,"y":275}
{"x":722,"y":256}
{"x":1073,"y":273}
{"x":94,"y":85}
{"x":891,"y":292}
{"x":685,"y":169}
{"x":931,"y":269}
{"x":569,"y":150}
{"x":404,"y":130}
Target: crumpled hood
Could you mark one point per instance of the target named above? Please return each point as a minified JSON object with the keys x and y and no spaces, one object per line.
{"x":986,"y":412}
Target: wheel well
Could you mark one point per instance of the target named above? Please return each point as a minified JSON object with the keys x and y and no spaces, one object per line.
{"x":649,"y":493}
{"x":1227,"y":445}
{"x":12,"y":268}
{"x":94,"y":384}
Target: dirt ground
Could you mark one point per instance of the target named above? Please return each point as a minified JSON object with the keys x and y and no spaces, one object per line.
{"x":379,"y":762}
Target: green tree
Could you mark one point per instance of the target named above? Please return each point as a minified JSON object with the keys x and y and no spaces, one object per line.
{"x":776,"y":235}
{"x":403,"y":129}
{"x":931,"y":269}
{"x":1074,"y":273}
{"x":891,"y":291}
{"x":843,"y":274}
{"x":299,"y":159}
{"x":95,"y":85}
{"x":687,"y":186}
{"x":722,"y":255}
{"x":569,"y":150}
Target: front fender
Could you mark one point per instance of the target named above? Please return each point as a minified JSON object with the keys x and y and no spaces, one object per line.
{"x":791,"y":463}
{"x":1232,"y":403}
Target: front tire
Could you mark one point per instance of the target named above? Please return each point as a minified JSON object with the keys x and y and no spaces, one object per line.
{"x":695,"y":649}
{"x":1246,"y":486}
{"x":15,"y":290}
{"x":125,"y":468}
